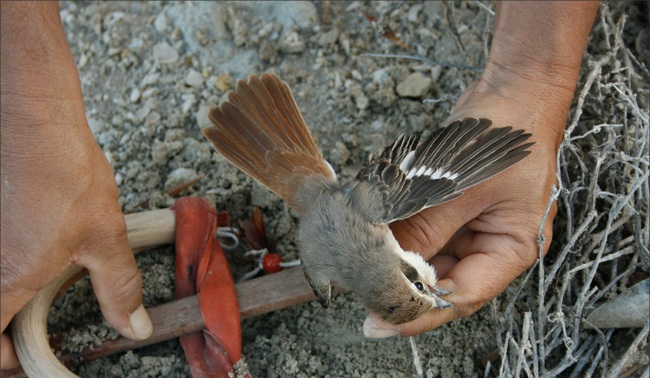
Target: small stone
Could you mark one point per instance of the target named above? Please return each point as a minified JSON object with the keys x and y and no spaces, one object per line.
{"x":135,"y":95}
{"x":151,"y":78}
{"x":178,"y":177}
{"x":148,"y":93}
{"x":195,"y":151}
{"x":161,"y":151}
{"x":380,"y":77}
{"x":202,"y":116}
{"x":152,"y":119}
{"x":292,"y":44}
{"x":95,"y":125}
{"x":328,"y":38}
{"x":160,"y":23}
{"x":223,"y":82}
{"x":194,"y":78}
{"x":163,"y":53}
{"x":119,"y":179}
{"x":435,"y":73}
{"x":415,"y":85}
{"x":340,"y":154}
{"x":361,"y":101}
{"x":142,"y":113}
{"x":188,"y":104}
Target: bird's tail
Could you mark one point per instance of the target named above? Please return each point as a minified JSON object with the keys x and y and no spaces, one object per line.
{"x":260,"y":130}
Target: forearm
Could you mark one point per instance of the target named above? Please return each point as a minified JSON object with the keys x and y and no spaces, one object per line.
{"x":536,"y":54}
{"x":43,"y":115}
{"x":38,"y":71}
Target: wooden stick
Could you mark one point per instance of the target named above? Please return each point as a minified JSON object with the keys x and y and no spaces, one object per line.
{"x":256,"y":297}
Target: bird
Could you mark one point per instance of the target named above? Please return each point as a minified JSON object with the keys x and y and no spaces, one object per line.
{"x":343,"y":236}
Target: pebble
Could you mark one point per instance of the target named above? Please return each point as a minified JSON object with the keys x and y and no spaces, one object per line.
{"x":380,"y":77}
{"x":148,"y":93}
{"x":160,"y":23}
{"x":178,"y":177}
{"x":201,"y":115}
{"x":95,"y":125}
{"x":152,"y":119}
{"x":195,"y":151}
{"x":188,"y":103}
{"x":340,"y":154}
{"x":194,"y":78}
{"x":328,"y":38}
{"x":135,"y":95}
{"x":415,"y":85}
{"x":160,"y":151}
{"x":151,"y":78}
{"x":292,"y":44}
{"x":222,"y":82}
{"x":435,"y":73}
{"x":163,"y":53}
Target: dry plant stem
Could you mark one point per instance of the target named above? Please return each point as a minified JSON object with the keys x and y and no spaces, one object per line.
{"x":601,"y":232}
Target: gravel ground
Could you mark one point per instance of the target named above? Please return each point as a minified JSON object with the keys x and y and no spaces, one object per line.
{"x":151,"y":70}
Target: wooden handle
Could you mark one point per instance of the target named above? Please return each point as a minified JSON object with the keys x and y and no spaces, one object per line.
{"x":29,"y":326}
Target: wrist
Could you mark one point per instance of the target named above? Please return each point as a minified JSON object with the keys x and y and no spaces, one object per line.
{"x":532,"y":70}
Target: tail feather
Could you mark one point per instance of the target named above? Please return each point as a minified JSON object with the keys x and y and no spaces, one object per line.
{"x":261,"y":131}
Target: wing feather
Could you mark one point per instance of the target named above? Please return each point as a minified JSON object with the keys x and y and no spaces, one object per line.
{"x":410,"y":175}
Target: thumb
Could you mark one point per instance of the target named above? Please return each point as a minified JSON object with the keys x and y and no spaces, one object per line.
{"x":117,"y":283}
{"x":428,"y":231}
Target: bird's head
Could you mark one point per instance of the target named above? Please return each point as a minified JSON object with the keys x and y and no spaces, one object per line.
{"x":413,"y":291}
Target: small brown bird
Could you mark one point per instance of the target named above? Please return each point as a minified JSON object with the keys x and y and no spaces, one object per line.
{"x":344,"y":235}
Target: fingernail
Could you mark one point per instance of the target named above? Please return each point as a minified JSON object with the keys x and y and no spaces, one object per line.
{"x":141,"y":323}
{"x":374,"y":328}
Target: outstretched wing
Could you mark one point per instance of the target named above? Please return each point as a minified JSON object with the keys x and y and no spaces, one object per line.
{"x":412,"y":176}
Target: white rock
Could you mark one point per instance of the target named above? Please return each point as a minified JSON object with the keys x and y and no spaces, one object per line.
{"x":415,"y":85}
{"x":151,"y":78}
{"x":160,"y":23}
{"x":95,"y":125}
{"x":194,"y":78}
{"x":179,"y":176}
{"x":163,"y":53}
{"x":202,"y":116}
{"x":148,"y":92}
{"x":135,"y":95}
{"x":188,"y":104}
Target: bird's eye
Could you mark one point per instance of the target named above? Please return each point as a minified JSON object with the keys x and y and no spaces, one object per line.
{"x":418,"y":285}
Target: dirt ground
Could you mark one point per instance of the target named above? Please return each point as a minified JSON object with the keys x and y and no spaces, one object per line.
{"x":151,"y":70}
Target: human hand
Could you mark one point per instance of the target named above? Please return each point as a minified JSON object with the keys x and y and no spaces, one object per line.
{"x":483,"y":240}
{"x":59,"y":198}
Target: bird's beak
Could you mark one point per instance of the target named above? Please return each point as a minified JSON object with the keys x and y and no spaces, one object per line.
{"x":434,"y":292}
{"x":440,"y":303}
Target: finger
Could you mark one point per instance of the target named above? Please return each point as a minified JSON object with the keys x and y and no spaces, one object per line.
{"x":117,"y":283}
{"x":497,"y":259}
{"x":8,"y":358}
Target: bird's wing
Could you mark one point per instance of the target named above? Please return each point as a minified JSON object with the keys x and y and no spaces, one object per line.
{"x":412,"y":176}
